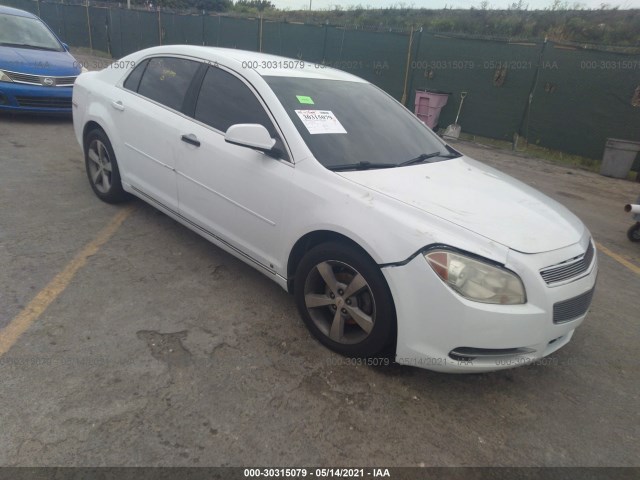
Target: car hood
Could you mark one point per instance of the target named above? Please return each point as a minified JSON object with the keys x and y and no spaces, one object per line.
{"x":481,"y":199}
{"x":38,"y":62}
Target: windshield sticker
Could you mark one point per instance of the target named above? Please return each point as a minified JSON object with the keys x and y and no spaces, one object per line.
{"x":320,"y":121}
{"x":304,"y":99}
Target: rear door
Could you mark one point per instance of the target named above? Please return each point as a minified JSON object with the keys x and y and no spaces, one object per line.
{"x":151,"y":103}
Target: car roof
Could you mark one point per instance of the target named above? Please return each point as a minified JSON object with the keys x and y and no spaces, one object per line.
{"x":262,"y":63}
{"x":16,"y":12}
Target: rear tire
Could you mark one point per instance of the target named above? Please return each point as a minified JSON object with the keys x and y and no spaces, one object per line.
{"x":633,"y":233}
{"x":344,"y":301}
{"x":102,"y":168}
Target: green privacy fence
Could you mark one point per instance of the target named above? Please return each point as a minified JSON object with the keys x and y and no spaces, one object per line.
{"x":584,"y":96}
{"x":559,"y":96}
{"x":497,"y":77}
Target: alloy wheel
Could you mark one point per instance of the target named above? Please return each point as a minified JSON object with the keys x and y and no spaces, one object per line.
{"x":100,"y":167}
{"x":340,"y":302}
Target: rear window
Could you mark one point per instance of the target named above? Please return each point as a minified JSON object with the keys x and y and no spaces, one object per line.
{"x":166,"y":80}
{"x":133,"y":80}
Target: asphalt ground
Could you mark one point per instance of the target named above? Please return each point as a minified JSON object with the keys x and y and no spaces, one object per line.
{"x":129,"y":340}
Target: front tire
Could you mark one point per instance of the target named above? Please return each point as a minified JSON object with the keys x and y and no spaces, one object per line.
{"x":345,"y":301}
{"x":102,"y":168}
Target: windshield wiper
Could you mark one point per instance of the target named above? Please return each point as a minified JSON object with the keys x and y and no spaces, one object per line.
{"x":24,"y":45}
{"x":360,"y":166}
{"x":426,"y":156}
{"x":372,"y":166}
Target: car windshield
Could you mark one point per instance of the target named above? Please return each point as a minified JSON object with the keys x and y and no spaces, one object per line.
{"x":26,"y":32}
{"x":355,"y":125}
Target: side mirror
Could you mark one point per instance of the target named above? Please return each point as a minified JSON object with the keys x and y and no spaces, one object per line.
{"x":251,"y":135}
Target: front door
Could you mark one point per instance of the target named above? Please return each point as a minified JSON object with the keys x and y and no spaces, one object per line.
{"x":236,"y":193}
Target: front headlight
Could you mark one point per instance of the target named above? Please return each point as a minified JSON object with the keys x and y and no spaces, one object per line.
{"x":4,"y":77}
{"x":477,"y":280}
{"x":84,"y":70}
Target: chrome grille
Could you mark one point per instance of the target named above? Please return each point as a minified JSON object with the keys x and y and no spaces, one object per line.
{"x":37,"y":80}
{"x":573,"y":308}
{"x":24,"y":78}
{"x":570,"y":268}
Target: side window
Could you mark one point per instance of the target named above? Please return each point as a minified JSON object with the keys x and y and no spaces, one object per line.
{"x":225,"y":100}
{"x":167,"y":79}
{"x":133,"y":80}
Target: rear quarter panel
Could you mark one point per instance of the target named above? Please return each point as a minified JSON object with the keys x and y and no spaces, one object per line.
{"x":93,"y":93}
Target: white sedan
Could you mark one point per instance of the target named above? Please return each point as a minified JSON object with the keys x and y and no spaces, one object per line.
{"x":390,"y":240}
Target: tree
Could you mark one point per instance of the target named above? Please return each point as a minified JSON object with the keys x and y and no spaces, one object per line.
{"x":212,"y":5}
{"x":519,"y":5}
{"x":259,"y":5}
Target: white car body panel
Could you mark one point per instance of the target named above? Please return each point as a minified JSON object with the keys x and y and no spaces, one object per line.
{"x":150,"y":148}
{"x":472,"y":195}
{"x":250,"y":217}
{"x":258,"y":208}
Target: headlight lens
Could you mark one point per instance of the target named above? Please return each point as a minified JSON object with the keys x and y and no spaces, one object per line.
{"x":4,"y":77}
{"x":84,"y":70}
{"x":477,"y":280}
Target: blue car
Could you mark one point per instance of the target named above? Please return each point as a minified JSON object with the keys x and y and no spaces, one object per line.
{"x":36,"y":70}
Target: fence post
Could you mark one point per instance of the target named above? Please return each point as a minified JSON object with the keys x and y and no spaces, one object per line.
{"x":218,"y":33}
{"x":406,"y":71}
{"x":260,"y":42}
{"x":159,"y":26}
{"x":344,"y":31}
{"x":527,"y":108}
{"x":89,"y":28}
{"x":38,"y":7}
{"x":419,"y":42}
{"x":324,"y":43}
{"x":63,"y":21}
{"x":107,"y":25}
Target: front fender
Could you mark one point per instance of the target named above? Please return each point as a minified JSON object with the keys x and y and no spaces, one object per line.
{"x":388,"y":230}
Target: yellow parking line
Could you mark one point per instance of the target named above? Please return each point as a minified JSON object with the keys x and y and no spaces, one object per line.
{"x":21,"y":323}
{"x":619,"y":258}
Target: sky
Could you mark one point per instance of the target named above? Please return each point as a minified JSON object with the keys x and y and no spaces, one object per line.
{"x":436,"y":4}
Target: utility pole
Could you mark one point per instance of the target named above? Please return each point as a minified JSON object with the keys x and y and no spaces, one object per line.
{"x":310,"y":4}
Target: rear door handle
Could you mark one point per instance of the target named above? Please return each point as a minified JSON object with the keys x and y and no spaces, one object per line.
{"x":118,"y":105}
{"x":191,"y":139}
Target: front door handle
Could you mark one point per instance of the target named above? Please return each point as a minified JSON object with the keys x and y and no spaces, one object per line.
{"x":191,"y":139}
{"x":118,"y":105}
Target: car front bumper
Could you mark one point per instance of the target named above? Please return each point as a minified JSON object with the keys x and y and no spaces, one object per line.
{"x":16,"y":97}
{"x":440,"y":330}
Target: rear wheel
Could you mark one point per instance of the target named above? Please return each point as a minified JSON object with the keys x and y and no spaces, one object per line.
{"x":345,"y":301}
{"x":634,"y":233}
{"x":102,"y":168}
